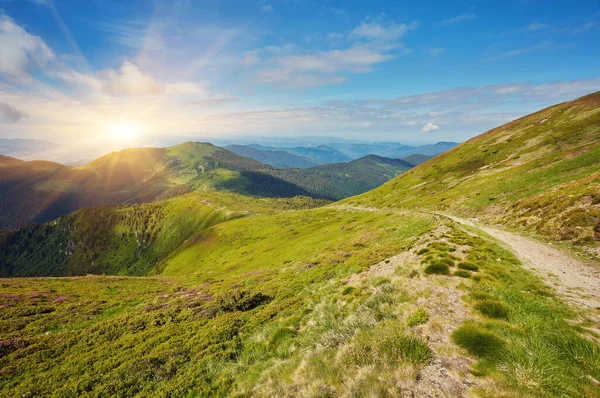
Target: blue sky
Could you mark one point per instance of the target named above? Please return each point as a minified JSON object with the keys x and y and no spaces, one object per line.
{"x":411,"y":72}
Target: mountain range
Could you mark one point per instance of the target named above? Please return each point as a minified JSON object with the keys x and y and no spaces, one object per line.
{"x":38,"y":191}
{"x":213,"y":290}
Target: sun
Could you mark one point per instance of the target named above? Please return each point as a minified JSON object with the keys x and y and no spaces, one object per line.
{"x":123,"y":132}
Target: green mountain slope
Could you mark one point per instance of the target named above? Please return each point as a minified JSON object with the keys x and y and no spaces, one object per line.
{"x":416,"y":159}
{"x":539,"y":173}
{"x":41,"y":191}
{"x":125,"y":240}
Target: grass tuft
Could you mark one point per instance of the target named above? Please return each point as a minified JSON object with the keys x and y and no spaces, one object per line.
{"x":462,"y":273}
{"x":437,"y":268}
{"x":493,"y":309}
{"x":478,"y":341}
{"x":418,"y":317}
{"x":468,"y":266}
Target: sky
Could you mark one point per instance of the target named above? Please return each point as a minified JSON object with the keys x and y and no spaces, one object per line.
{"x":105,"y":71}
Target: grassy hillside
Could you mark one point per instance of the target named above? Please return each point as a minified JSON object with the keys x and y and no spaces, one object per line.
{"x":539,"y":174}
{"x":125,"y":240}
{"x":373,"y":296}
{"x":301,"y":303}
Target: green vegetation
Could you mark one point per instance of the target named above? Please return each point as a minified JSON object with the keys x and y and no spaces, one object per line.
{"x":462,"y":273}
{"x":537,"y":174}
{"x":243,"y":296}
{"x":126,"y":240}
{"x":478,"y":341}
{"x":199,"y":328}
{"x":437,"y":267}
{"x":493,"y":309}
{"x":42,"y":191}
{"x":418,"y":317}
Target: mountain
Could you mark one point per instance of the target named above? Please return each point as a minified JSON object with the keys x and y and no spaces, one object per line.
{"x":340,"y":180}
{"x":416,"y":159}
{"x":376,"y":295}
{"x":341,"y":151}
{"x":39,"y":191}
{"x":27,"y":149}
{"x":538,"y":174}
{"x":275,"y":158}
{"x":318,"y":154}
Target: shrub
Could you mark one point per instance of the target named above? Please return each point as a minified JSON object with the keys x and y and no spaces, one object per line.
{"x":437,"y":268}
{"x":418,"y":317}
{"x":423,"y":251}
{"x":468,"y":266}
{"x":493,"y":309}
{"x":462,"y":273}
{"x":478,"y":341}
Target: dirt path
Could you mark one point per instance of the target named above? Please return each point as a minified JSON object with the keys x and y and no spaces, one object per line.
{"x":574,"y":279}
{"x":577,"y":281}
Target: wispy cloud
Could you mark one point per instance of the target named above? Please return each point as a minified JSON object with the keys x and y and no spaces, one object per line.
{"x":533,"y":27}
{"x":547,"y":45}
{"x":459,"y":18}
{"x":370,"y":43}
{"x":436,"y":51}
{"x":266,"y":8}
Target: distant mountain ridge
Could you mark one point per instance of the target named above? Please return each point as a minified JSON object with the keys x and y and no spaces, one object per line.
{"x":334,"y":152}
{"x":275,"y":158}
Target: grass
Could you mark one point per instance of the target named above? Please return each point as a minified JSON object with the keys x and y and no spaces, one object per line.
{"x":468,"y":266}
{"x":437,"y":268}
{"x":462,"y":274}
{"x":536,"y":174}
{"x":478,"y":341}
{"x":493,"y":309}
{"x":418,"y":317}
{"x":268,"y":304}
{"x":229,"y":305}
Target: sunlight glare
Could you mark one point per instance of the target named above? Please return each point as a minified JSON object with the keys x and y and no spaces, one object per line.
{"x":123,"y":132}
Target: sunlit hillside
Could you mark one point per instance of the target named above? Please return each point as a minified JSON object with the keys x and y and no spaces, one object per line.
{"x":539,"y":174}
{"x":373,"y":296}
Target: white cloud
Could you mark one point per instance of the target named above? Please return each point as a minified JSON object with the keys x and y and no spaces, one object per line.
{"x":371,"y":43}
{"x":377,"y":31}
{"x":21,"y":51}
{"x":266,"y":8}
{"x":429,"y":127}
{"x":459,"y":18}
{"x":129,"y":80}
{"x":436,"y":51}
